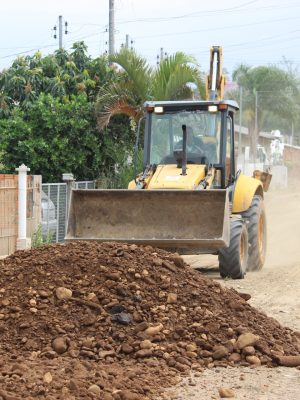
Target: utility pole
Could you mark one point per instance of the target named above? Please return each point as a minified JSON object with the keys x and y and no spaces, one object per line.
{"x":60,"y":31}
{"x":161,"y":56}
{"x":111,"y":28}
{"x":256,"y":112}
{"x":126,"y":45}
{"x":241,"y":117}
{"x":254,"y":146}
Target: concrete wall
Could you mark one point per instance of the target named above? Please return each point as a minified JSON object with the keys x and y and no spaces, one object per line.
{"x":291,"y":158}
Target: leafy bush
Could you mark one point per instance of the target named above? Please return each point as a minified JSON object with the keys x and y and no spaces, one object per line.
{"x":37,"y":239}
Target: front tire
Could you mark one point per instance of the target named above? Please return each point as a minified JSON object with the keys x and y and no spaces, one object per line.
{"x":255,"y":218}
{"x":233,"y":259}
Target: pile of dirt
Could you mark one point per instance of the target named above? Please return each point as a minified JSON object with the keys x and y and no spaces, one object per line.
{"x":117,"y":321}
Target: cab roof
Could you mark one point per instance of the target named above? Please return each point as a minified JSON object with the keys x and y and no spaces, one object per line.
{"x":197,"y":104}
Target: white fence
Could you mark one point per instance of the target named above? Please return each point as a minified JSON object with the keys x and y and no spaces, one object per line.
{"x":11,"y":219}
{"x":54,"y":209}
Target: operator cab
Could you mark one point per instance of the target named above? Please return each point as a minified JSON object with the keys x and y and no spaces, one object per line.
{"x":209,"y":133}
{"x":203,"y":137}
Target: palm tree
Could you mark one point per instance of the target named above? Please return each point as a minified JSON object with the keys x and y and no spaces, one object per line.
{"x":137,"y":82}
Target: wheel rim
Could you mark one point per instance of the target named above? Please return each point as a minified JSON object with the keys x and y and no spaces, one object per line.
{"x":261,"y":236}
{"x":243,"y":248}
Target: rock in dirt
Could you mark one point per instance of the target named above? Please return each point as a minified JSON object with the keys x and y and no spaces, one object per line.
{"x":127,"y":395}
{"x":60,"y":345}
{"x":172,"y":298}
{"x":47,"y":378}
{"x":177,"y":260}
{"x":146,"y":344}
{"x":63,"y":293}
{"x":153,"y":330}
{"x":235,"y":357}
{"x":253,"y":360}
{"x":246,"y":339}
{"x":249,"y":351}
{"x":226,"y":393}
{"x":122,"y":318}
{"x":245,"y":296}
{"x":220,"y":352}
{"x":288,"y":361}
{"x":95,"y":389}
{"x":126,"y":348}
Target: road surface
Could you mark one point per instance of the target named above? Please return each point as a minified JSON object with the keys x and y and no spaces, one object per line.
{"x":276,"y":291}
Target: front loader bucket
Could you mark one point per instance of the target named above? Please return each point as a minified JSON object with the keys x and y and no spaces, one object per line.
{"x":172,"y":219}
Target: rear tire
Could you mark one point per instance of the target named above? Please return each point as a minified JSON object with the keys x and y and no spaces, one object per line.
{"x":233,"y":259}
{"x":255,"y":218}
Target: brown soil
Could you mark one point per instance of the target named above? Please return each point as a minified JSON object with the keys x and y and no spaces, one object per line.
{"x":132,"y":320}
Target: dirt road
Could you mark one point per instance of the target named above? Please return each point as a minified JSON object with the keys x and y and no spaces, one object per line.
{"x":274,"y":290}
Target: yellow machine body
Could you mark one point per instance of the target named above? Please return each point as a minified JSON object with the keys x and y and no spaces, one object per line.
{"x":245,"y":188}
{"x":170,"y":177}
{"x":180,"y":201}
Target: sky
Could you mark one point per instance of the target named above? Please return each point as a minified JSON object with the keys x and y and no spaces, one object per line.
{"x":254,"y":32}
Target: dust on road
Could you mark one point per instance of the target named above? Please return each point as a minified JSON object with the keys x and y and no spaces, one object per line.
{"x":275,"y":290}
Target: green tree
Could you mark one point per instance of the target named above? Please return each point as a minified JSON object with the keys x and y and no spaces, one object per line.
{"x":5,"y":104}
{"x":138,"y":82}
{"x":53,"y":137}
{"x":268,"y":92}
{"x":61,"y":74}
{"x":47,"y":116}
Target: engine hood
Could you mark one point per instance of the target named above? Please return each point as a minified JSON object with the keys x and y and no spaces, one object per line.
{"x":170,"y":177}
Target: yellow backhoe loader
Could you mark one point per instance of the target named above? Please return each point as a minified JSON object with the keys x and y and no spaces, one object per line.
{"x":189,"y":198}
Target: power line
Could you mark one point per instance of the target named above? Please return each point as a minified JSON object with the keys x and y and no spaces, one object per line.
{"x":206,"y":13}
{"x":26,"y":52}
{"x":216,"y":28}
{"x":49,"y":45}
{"x":72,"y":39}
{"x":200,"y":30}
{"x":249,"y":44}
{"x":200,"y":14}
{"x":192,"y":14}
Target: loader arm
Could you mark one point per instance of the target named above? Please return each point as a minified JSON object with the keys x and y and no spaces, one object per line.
{"x":215,"y":81}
